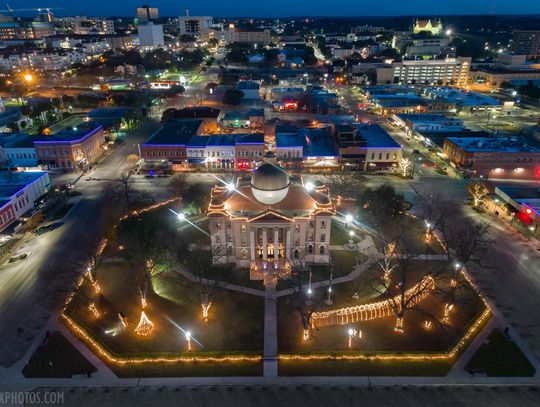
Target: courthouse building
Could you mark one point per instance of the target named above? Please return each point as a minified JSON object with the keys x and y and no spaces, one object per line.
{"x":267,"y":222}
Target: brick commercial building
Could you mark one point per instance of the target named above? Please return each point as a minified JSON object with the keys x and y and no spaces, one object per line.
{"x":505,"y":158}
{"x":71,"y":148}
{"x":181,"y":143}
{"x":168,"y":144}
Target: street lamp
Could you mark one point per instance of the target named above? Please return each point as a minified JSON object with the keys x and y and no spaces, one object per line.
{"x":309,"y":186}
{"x":230,"y":187}
{"x":181,"y":216}
{"x":187,"y":334}
{"x":351,"y":333}
{"x":28,"y":77}
{"x":309,"y":290}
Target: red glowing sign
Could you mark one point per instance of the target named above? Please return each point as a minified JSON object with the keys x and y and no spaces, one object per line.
{"x":242,"y":165}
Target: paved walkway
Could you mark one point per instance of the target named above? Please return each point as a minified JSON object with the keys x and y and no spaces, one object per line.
{"x":270,"y":364}
{"x":459,"y":367}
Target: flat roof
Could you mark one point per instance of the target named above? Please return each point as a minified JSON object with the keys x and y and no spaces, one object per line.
{"x":376,"y":136}
{"x":174,"y":132}
{"x":249,"y":138}
{"x":460,"y":97}
{"x":245,"y":85}
{"x":527,"y":196}
{"x":198,"y":112}
{"x":225,"y":140}
{"x":492,"y":144}
{"x":426,"y":117}
{"x":69,"y":134}
{"x":109,"y":112}
{"x":13,"y":182}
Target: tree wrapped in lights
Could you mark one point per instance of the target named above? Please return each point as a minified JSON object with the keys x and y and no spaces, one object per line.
{"x":396,"y":285}
{"x":405,"y":165}
{"x":478,"y":192}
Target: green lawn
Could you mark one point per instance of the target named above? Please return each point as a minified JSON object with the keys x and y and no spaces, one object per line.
{"x":57,"y":358}
{"x":500,"y":357}
{"x":364,"y":368}
{"x":200,"y":369}
{"x":339,"y":234}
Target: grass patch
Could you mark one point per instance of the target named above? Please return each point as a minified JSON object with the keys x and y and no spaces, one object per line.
{"x":57,"y":358}
{"x":59,"y":214}
{"x":500,"y":357}
{"x":196,"y":369}
{"x":339,"y":234}
{"x":364,"y":368}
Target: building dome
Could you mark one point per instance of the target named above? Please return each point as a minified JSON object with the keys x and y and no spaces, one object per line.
{"x":270,"y":184}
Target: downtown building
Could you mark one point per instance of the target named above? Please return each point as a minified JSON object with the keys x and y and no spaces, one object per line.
{"x":145,"y":13}
{"x":493,"y":157}
{"x":20,"y":194}
{"x":71,"y":149}
{"x":151,"y":36}
{"x":181,"y":144}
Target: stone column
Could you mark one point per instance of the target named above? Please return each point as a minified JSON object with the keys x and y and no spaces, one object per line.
{"x":276,"y":245}
{"x":265,"y":245}
{"x":288,"y":244}
{"x":252,"y":244}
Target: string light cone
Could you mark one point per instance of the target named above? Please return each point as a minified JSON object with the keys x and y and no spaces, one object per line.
{"x":145,"y":327}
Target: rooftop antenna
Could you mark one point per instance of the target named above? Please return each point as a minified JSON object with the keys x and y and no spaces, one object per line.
{"x":187,"y":13}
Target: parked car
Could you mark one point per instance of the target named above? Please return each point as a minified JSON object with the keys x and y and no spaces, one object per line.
{"x":48,"y":228}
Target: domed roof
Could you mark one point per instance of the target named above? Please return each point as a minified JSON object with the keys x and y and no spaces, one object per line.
{"x":270,"y":184}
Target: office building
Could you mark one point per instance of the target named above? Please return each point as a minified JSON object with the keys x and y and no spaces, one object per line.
{"x":526,"y":42}
{"x":193,"y":25}
{"x":151,"y":36}
{"x":145,"y":13}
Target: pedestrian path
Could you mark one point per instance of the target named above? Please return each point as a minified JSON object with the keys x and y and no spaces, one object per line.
{"x":270,"y":356}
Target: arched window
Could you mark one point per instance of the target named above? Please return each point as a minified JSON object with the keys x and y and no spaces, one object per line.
{"x":229,"y":250}
{"x":321,"y":250}
{"x":296,"y":253}
{"x":310,"y":249}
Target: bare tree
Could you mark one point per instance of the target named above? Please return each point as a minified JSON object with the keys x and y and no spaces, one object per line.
{"x":178,"y":184}
{"x":345,"y":185}
{"x":400,"y":284}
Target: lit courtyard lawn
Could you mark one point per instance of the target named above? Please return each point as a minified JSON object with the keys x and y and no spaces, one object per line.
{"x":378,"y":334}
{"x":234,"y":324}
{"x":235,"y":320}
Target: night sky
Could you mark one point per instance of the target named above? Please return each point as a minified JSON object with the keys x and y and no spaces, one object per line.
{"x":280,"y":8}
